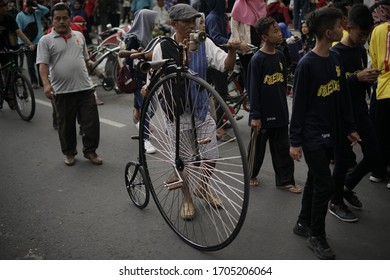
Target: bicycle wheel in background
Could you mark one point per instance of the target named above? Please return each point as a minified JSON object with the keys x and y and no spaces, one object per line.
{"x":136,"y":184}
{"x":24,"y":97}
{"x":110,"y":71}
{"x":212,"y":174}
{"x":20,"y":59}
{"x":115,"y":71}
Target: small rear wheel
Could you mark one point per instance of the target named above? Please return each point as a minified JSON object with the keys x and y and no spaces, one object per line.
{"x":136,"y":184}
{"x":24,"y":97}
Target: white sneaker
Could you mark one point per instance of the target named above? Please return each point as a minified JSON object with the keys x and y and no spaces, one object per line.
{"x":137,"y":125}
{"x":149,"y":148}
{"x":388,"y":185}
{"x":375,"y":179}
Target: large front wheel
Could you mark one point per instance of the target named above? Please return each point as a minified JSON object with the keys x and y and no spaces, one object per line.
{"x":203,"y":192}
{"x":24,"y":97}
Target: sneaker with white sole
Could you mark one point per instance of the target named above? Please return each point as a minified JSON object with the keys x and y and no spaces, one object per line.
{"x":149,"y":148}
{"x":376,"y":179}
{"x":352,"y":199}
{"x":388,"y":185}
{"x":137,"y":125}
{"x":342,"y":212}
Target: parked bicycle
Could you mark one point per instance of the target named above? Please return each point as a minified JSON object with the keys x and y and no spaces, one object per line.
{"x":105,"y":57}
{"x":23,"y":93}
{"x":179,"y":169}
{"x":104,"y":65}
{"x":237,"y":96}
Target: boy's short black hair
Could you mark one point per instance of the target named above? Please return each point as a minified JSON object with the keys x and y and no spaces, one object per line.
{"x":60,"y":7}
{"x":262,"y":25}
{"x":322,"y":19}
{"x":360,"y":16}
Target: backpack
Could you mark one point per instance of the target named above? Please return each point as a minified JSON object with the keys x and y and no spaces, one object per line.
{"x":31,"y":29}
{"x":124,"y":80}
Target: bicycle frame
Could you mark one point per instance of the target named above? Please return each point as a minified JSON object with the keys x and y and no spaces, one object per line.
{"x":107,"y":83}
{"x":107,"y":52}
{"x":7,"y":72}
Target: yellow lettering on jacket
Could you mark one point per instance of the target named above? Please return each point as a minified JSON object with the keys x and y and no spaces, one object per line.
{"x":274,"y":78}
{"x":326,"y":90}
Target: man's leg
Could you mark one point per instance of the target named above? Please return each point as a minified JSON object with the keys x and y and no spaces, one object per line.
{"x":89,"y":121}
{"x":65,"y":105}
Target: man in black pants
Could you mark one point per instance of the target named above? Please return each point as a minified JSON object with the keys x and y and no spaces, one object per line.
{"x":321,"y":114}
{"x":359,"y":78}
{"x":63,"y":54}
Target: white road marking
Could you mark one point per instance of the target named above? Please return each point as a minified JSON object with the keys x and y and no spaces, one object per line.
{"x":102,"y":120}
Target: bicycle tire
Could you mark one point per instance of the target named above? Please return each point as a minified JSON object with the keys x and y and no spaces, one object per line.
{"x":115,"y":72}
{"x":136,"y":184}
{"x":110,"y":71}
{"x":20,"y":59}
{"x":212,"y":228}
{"x":24,"y":97}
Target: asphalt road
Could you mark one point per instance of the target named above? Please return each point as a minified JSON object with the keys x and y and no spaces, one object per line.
{"x":54,"y":212}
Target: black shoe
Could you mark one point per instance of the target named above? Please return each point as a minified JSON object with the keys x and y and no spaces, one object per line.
{"x":352,"y":199}
{"x":320,"y":247}
{"x":301,"y":229}
{"x":342,"y":212}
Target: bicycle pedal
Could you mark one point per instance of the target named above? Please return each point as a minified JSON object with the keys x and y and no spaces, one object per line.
{"x":173,"y":184}
{"x":239,"y":118}
{"x":203,"y":141}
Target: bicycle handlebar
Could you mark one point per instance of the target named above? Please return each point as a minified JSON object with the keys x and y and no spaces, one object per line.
{"x":144,"y":66}
{"x":22,"y":49}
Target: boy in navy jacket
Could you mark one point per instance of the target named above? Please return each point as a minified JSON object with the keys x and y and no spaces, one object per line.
{"x":359,"y":78}
{"x":269,"y":112}
{"x":321,"y":113}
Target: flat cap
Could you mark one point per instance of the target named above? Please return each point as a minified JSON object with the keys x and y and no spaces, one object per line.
{"x":182,"y":12}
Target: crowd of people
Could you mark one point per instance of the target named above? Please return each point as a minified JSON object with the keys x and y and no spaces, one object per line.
{"x":343,"y":62}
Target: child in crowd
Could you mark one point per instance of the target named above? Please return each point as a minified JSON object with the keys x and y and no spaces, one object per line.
{"x":354,"y":58}
{"x":269,"y":112}
{"x":321,"y":114}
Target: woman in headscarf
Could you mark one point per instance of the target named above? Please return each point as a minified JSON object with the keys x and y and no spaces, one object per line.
{"x":140,"y":35}
{"x":246,"y":13}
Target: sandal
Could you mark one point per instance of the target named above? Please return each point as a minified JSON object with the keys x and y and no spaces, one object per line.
{"x":187,"y":211}
{"x":290,"y":188}
{"x":208,"y":197}
{"x":253,"y":182}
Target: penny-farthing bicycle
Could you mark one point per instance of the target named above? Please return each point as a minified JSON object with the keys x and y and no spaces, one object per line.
{"x":200,"y":185}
